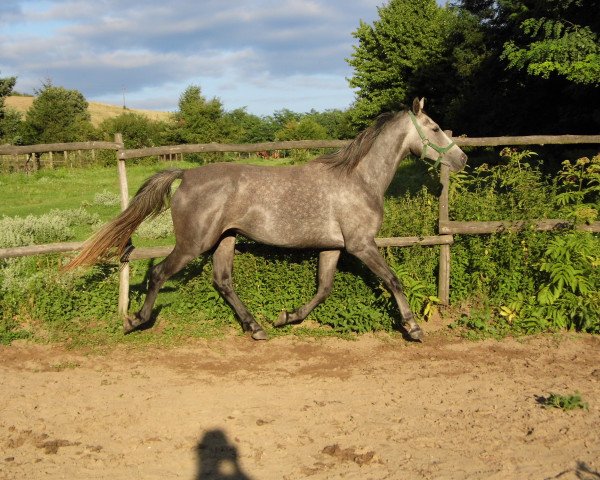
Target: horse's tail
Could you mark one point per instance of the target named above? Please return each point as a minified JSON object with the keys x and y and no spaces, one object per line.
{"x":150,"y":200}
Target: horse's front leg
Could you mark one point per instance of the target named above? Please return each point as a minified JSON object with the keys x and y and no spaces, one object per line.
{"x":223,"y":280}
{"x":327,"y":265}
{"x":368,"y":253}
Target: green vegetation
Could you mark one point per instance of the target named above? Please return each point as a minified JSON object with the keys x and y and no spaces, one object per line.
{"x":565,"y":402}
{"x":560,"y":39}
{"x":487,"y":68}
{"x":528,"y":281}
{"x":61,"y":115}
{"x":509,"y":283}
{"x":407,"y":37}
{"x":9,"y":119}
{"x":57,"y":115}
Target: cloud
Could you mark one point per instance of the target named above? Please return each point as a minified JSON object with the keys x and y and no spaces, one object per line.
{"x":9,"y":9}
{"x":252,"y":46}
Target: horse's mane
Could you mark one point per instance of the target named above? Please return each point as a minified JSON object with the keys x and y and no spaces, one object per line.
{"x":347,"y":158}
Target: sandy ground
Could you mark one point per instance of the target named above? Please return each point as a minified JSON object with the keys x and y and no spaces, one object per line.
{"x":289,"y":408}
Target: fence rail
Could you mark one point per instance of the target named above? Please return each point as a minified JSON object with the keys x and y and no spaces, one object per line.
{"x":57,"y":147}
{"x":154,"y":252}
{"x":125,"y":154}
{"x":527,"y":140}
{"x":446,"y":228}
{"x":482,"y":227}
{"x":231,"y":147}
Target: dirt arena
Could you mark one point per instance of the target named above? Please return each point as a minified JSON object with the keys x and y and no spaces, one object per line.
{"x":291,"y":408}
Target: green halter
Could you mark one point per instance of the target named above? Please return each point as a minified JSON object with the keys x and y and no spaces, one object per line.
{"x":427,"y":143}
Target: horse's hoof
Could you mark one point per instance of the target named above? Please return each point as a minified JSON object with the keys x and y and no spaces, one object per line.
{"x":130,"y":323}
{"x":259,"y":335}
{"x":416,"y":334}
{"x":282,"y":319}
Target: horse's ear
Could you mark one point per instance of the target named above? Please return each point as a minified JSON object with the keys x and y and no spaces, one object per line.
{"x":416,"y":106}
{"x":422,"y":103}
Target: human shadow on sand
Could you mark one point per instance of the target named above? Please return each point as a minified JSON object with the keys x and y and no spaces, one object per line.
{"x":217,"y":458}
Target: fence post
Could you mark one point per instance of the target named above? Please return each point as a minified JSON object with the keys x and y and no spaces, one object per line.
{"x":124,"y":189}
{"x":444,"y":267}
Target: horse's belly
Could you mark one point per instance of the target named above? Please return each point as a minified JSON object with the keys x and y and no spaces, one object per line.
{"x":299,"y":231}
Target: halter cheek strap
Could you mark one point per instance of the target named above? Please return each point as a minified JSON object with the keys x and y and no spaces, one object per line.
{"x":427,"y":143}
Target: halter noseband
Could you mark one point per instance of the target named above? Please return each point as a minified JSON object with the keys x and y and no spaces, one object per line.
{"x":427,"y":143}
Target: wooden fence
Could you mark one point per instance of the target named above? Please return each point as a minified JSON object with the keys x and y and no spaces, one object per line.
{"x":446,"y":228}
{"x":29,"y":158}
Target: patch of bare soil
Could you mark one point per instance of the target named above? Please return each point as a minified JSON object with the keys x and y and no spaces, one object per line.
{"x":290,"y":408}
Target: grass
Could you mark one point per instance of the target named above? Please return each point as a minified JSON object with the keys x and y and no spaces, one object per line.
{"x":45,"y":190}
{"x":39,"y":193}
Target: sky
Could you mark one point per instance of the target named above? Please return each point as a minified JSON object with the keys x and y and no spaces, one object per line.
{"x":264,"y":55}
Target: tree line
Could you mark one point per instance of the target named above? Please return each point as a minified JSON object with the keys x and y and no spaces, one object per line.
{"x":487,"y":68}
{"x":60,"y":115}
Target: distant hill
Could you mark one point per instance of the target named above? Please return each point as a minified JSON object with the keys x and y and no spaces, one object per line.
{"x":98,"y":111}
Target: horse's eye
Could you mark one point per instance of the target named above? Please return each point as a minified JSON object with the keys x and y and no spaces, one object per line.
{"x":436,"y":129}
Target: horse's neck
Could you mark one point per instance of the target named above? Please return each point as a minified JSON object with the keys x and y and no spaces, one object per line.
{"x":378,"y":167}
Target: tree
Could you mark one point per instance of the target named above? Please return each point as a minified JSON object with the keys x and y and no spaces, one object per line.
{"x":408,"y":35}
{"x":336,"y":123}
{"x":487,"y":67}
{"x":138,"y":130}
{"x":281,"y":118}
{"x":58,"y":115}
{"x":11,"y":127}
{"x":557,"y":38}
{"x":6,"y":87}
{"x":305,"y":129}
{"x":198,"y":120}
{"x":239,"y":126}
{"x":535,"y":67}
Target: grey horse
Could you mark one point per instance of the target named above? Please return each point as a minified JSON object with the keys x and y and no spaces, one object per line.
{"x":331,"y":203}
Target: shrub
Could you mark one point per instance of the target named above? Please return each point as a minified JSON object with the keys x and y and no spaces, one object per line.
{"x":52,"y":227}
{"x":159,"y":227}
{"x":107,"y":199}
{"x":25,"y":282}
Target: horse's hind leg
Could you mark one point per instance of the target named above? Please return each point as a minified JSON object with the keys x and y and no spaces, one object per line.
{"x":223,"y":279}
{"x":327,"y":265}
{"x":172,"y":264}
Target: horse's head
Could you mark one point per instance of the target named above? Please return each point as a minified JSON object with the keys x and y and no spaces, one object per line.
{"x":427,"y":140}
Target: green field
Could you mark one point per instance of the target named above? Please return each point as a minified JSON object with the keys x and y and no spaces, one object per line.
{"x":94,"y":189}
{"x":40,"y":192}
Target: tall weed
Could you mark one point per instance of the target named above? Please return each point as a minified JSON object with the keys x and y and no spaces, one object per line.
{"x":533,"y":281}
